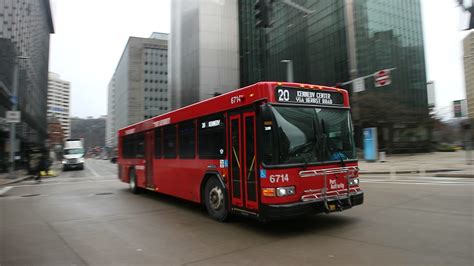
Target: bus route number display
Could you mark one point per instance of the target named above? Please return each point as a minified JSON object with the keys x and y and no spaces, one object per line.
{"x":302,"y":96}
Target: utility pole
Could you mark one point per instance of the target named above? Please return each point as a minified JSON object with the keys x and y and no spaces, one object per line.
{"x":14,"y":101}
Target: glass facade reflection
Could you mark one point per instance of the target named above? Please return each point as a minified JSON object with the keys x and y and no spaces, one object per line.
{"x":340,"y":41}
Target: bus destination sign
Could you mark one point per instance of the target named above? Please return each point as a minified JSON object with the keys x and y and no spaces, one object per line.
{"x":304,"y":96}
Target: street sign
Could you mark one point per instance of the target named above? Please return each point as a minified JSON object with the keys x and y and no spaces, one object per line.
{"x":358,"y":85}
{"x":14,"y":100}
{"x":382,"y":78}
{"x":13,"y":117}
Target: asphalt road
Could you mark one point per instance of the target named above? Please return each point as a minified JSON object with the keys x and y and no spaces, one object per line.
{"x":89,"y":218}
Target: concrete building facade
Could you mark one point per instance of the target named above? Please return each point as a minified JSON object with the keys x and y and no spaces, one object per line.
{"x":469,"y":73}
{"x":204,"y":50}
{"x":110,"y":129}
{"x":59,"y":97}
{"x":25,"y":27}
{"x":138,"y":89}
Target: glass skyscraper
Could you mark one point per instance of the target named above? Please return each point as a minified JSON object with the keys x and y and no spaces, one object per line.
{"x":342,"y":40}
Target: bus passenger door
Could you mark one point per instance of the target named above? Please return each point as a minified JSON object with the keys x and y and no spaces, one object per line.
{"x":236,"y":161}
{"x":243,"y":166}
{"x":149,"y":151}
{"x":250,"y":161}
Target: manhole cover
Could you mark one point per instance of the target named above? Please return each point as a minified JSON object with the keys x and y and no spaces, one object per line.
{"x":30,"y":195}
{"x":104,"y":193}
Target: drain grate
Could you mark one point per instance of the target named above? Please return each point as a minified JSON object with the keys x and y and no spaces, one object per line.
{"x":30,"y":195}
{"x":104,"y":193}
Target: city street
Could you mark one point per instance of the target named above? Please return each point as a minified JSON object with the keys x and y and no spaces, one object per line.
{"x":90,"y":218}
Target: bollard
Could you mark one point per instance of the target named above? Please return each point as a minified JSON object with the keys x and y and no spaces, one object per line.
{"x":382,"y":157}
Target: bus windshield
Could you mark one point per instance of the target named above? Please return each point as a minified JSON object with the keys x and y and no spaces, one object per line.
{"x":308,"y":135}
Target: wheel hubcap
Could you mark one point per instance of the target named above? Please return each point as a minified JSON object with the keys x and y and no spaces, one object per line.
{"x":132,"y":183}
{"x":216,"y":198}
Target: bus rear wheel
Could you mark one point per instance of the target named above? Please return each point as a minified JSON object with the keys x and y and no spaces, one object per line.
{"x":133,"y":182}
{"x":215,"y":200}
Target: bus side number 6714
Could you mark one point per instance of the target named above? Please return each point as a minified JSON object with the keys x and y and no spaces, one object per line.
{"x":283,"y":95}
{"x":279,"y":178}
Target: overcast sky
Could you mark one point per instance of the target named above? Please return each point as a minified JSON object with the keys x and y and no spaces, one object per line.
{"x":90,"y":36}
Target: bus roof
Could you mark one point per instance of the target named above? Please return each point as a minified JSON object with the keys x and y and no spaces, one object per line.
{"x":293,"y":93}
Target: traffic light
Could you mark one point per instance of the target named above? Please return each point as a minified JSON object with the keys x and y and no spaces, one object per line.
{"x":262,"y":13}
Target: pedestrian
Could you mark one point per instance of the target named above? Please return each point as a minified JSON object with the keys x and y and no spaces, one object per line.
{"x":43,"y":165}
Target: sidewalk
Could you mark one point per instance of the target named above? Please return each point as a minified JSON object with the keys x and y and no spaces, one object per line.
{"x":22,"y":175}
{"x":441,"y":164}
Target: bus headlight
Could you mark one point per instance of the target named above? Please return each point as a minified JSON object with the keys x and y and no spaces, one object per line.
{"x":285,"y":191}
{"x":354,"y":182}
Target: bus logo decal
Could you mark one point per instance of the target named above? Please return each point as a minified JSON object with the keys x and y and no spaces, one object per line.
{"x":162,"y":122}
{"x":263,"y":173}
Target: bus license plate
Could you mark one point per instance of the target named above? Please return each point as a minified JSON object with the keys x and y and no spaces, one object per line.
{"x":332,"y":207}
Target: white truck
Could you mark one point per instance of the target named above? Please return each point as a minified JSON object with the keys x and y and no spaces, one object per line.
{"x":73,"y":154}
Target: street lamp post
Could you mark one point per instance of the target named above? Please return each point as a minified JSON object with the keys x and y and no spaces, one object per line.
{"x":289,"y":70}
{"x":14,"y":101}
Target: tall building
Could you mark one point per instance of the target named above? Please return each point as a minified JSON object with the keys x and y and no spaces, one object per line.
{"x":58,"y":101}
{"x":469,"y":73}
{"x":204,"y":49}
{"x":342,"y":40}
{"x":138,"y":89}
{"x":25,"y":26}
{"x":110,"y":128}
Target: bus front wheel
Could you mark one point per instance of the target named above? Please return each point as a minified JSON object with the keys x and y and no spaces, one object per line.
{"x":215,"y":200}
{"x":133,"y":182}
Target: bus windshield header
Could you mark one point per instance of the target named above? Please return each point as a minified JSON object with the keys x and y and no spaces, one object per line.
{"x":305,"y":96}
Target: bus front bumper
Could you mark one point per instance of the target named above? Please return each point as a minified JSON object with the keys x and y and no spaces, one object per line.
{"x":286,"y":211}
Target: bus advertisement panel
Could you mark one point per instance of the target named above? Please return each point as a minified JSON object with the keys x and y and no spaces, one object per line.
{"x":271,"y":150}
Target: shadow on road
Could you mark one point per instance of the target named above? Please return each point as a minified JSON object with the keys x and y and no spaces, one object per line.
{"x":318,"y":223}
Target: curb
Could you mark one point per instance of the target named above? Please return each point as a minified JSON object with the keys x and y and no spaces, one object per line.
{"x":439,"y":172}
{"x":16,"y":180}
{"x":407,"y":171}
{"x":455,"y":175}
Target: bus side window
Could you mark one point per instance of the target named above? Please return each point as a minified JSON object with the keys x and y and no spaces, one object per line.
{"x":158,"y":138}
{"x":140,"y":146}
{"x":186,"y":140}
{"x":134,"y":146}
{"x":169,"y":141}
{"x":211,"y":137}
{"x":267,"y":135}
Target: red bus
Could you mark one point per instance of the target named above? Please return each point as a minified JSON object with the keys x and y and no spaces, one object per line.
{"x":270,"y":150}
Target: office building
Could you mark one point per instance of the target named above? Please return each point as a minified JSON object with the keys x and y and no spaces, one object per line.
{"x":204,"y":50}
{"x":25,"y":26}
{"x":110,"y":129}
{"x":469,"y":73}
{"x":138,"y":89}
{"x":58,"y":102}
{"x":342,"y":40}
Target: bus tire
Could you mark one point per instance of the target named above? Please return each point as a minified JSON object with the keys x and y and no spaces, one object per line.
{"x":215,"y":200}
{"x":132,"y":183}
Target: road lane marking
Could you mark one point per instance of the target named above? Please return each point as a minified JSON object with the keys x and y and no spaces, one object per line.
{"x":4,"y":190}
{"x":92,"y":170}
